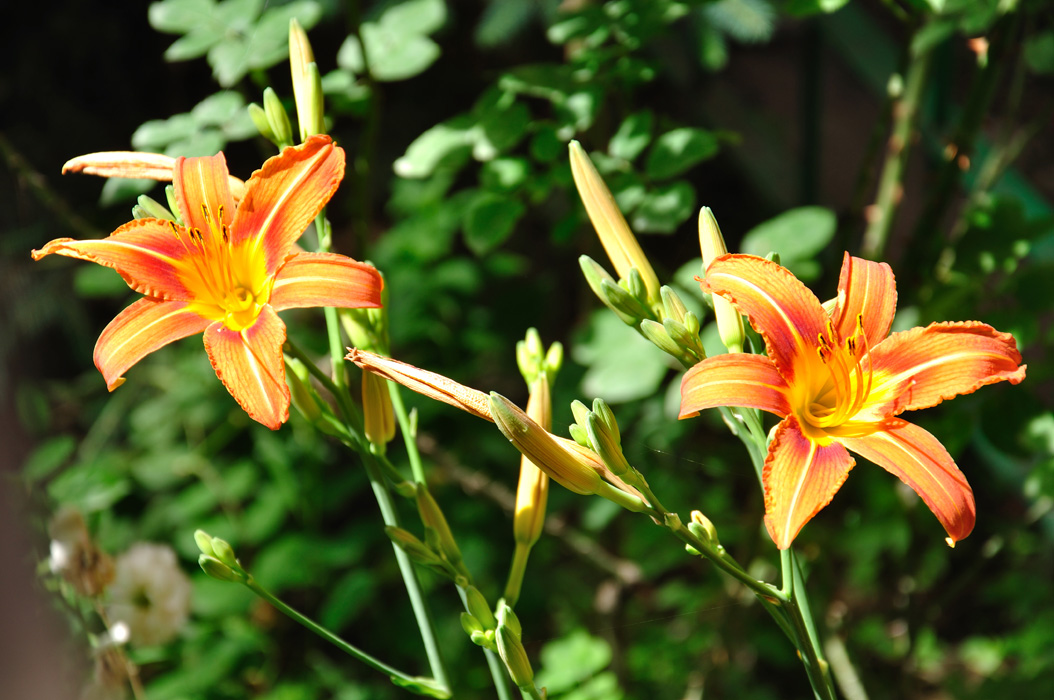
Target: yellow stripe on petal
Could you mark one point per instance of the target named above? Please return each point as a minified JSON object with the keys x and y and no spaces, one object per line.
{"x":326,"y":279}
{"x":143,"y":327}
{"x":286,"y":194}
{"x":921,"y":462}
{"x":249,"y":363}
{"x":800,"y":477}
{"x":782,"y":309}
{"x":734,"y":380}
{"x":203,"y":181}
{"x":941,"y":361}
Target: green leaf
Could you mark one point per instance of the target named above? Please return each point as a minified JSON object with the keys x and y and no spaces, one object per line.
{"x":158,"y":133}
{"x":678,"y":150}
{"x":489,"y":220}
{"x":804,"y":8}
{"x":98,"y":282}
{"x":117,"y":190}
{"x":748,"y":21}
{"x":51,"y":455}
{"x":505,"y":174}
{"x":501,"y":20}
{"x":415,"y":16}
{"x":216,"y":109}
{"x":664,"y":208}
{"x":572,"y":659}
{"x":422,"y":686}
{"x":393,"y":54}
{"x":797,"y":235}
{"x":430,"y":148}
{"x":633,"y":136}
{"x":1039,"y":53}
{"x":621,"y":365}
{"x":194,"y":44}
{"x":180,"y":16}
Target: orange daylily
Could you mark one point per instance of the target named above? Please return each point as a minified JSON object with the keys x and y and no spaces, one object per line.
{"x":227,"y":271}
{"x":839,"y":381}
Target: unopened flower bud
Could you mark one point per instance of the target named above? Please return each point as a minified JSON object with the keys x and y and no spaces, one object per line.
{"x":302,"y":394}
{"x":532,"y":490}
{"x":611,"y":227}
{"x":702,"y":528}
{"x":606,"y":447}
{"x":470,"y":624}
{"x":656,"y":333}
{"x":479,"y":608}
{"x":277,"y":118}
{"x":378,"y":415}
{"x":417,"y":550}
{"x":263,"y":124}
{"x":307,"y":88}
{"x":511,"y":651}
{"x":223,"y":551}
{"x":433,"y":517}
{"x":712,"y":244}
{"x":672,"y":305}
{"x":152,"y":209}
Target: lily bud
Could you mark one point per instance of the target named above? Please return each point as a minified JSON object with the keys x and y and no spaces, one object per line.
{"x":615,"y":235}
{"x":606,"y":447}
{"x":672,"y":306}
{"x":511,"y":651}
{"x":433,"y":517}
{"x":150,"y":208}
{"x":712,"y":244}
{"x":702,"y":528}
{"x":307,"y":87}
{"x":532,"y":491}
{"x":300,"y":390}
{"x":263,"y":125}
{"x":656,"y":333}
{"x":417,"y":550}
{"x":479,"y":608}
{"x":378,"y":415}
{"x":278,"y":118}
{"x":218,"y":570}
{"x":569,"y":468}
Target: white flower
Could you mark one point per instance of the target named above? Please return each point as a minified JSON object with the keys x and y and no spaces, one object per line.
{"x":150,"y":593}
{"x":74,"y":555}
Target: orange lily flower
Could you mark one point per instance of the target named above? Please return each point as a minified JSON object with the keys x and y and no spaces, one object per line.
{"x":839,"y":381}
{"x":227,"y":272}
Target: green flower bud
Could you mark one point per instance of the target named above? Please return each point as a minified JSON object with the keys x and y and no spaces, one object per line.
{"x":259,"y":117}
{"x":470,"y":624}
{"x":204,"y":542}
{"x":433,"y":517}
{"x":278,"y":119}
{"x":606,"y":447}
{"x":554,"y":359}
{"x":173,"y":204}
{"x":607,"y":417}
{"x":417,"y":550}
{"x":153,"y":209}
{"x":658,"y":336}
{"x":218,"y":570}
{"x":223,"y":551}
{"x":672,"y":305}
{"x":580,"y":435}
{"x":619,"y":299}
{"x":596,"y":276}
{"x":511,"y":651}
{"x":479,"y":608}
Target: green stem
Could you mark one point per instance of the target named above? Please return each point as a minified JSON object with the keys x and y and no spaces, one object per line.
{"x":408,"y":432}
{"x":333,"y":639}
{"x":516,"y":572}
{"x":497,"y":669}
{"x":890,"y":184}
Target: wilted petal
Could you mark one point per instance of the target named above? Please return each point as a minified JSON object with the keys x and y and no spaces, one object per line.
{"x":921,"y":462}
{"x":865,"y":289}
{"x":737,"y":379}
{"x":782,"y":309}
{"x":147,"y":253}
{"x":941,"y":361}
{"x":143,"y":327}
{"x":250,"y":365}
{"x":801,"y":477}
{"x":134,"y":164}
{"x":286,"y":194}
{"x":326,"y":279}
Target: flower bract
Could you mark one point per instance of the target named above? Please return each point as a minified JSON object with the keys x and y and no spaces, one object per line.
{"x":227,"y":270}
{"x":840,"y":381}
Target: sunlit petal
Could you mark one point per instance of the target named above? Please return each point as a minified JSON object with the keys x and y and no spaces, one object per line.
{"x":147,"y":254}
{"x":734,"y":380}
{"x":136,"y":164}
{"x":865,"y":289}
{"x":286,"y":194}
{"x":201,"y":181}
{"x":943,"y":360}
{"x":801,"y":476}
{"x":326,"y":279}
{"x":782,"y":309}
{"x":249,"y":363}
{"x":143,"y":327}
{"x":921,"y":462}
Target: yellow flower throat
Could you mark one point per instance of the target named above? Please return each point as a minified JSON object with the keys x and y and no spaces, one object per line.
{"x":228,"y":282}
{"x":834,"y":396}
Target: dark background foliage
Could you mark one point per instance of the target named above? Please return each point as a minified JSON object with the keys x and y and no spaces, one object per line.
{"x":753,"y":108}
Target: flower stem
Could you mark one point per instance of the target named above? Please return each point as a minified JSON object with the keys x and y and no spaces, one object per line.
{"x":516,"y":572}
{"x":497,"y":669}
{"x":408,"y":431}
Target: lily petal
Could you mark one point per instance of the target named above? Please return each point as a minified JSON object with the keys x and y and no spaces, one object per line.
{"x":135,"y":164}
{"x":203,"y":181}
{"x":943,"y":360}
{"x":921,"y":462}
{"x":865,"y":289}
{"x":146,"y":253}
{"x":250,"y":365}
{"x":326,"y":279}
{"x":143,"y":327}
{"x":782,"y":309}
{"x":801,"y":476}
{"x":736,"y":379}
{"x":286,"y":194}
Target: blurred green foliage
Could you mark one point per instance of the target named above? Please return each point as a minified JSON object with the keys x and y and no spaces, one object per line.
{"x":456,"y":118}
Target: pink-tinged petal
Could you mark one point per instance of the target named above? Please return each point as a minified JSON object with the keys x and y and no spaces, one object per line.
{"x":921,"y":462}
{"x":203,"y":181}
{"x":865,"y":289}
{"x":151,"y":166}
{"x":940,"y":361}
{"x":143,"y":327}
{"x":286,"y":194}
{"x":326,"y":279}
{"x":801,"y":477}
{"x":147,"y":253}
{"x":250,"y":365}
{"x":737,"y":379}
{"x":782,"y":309}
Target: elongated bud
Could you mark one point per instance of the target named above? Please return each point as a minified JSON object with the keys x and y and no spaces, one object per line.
{"x":712,"y":244}
{"x":471,"y":625}
{"x":432,"y":385}
{"x":433,"y":517}
{"x":580,"y":435}
{"x":303,"y":395}
{"x":606,"y":447}
{"x":569,"y":468}
{"x":702,"y":528}
{"x":615,"y":235}
{"x":218,"y":570}
{"x":672,"y":306}
{"x":204,"y":542}
{"x":511,"y":651}
{"x":224,"y":552}
{"x":623,"y":302}
{"x":378,"y":415}
{"x":532,"y":491}
{"x":417,"y":550}
{"x":656,"y":333}
{"x":152,"y":209}
{"x":554,"y":359}
{"x":262,"y":123}
{"x":307,"y":88}
{"x":277,"y":118}
{"x":479,"y":608}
